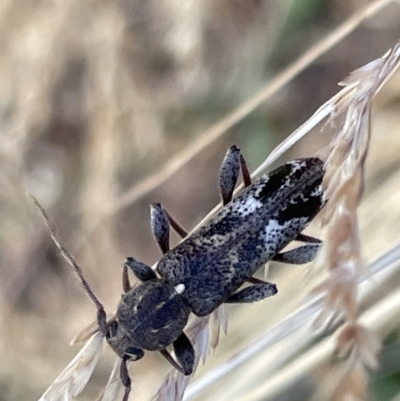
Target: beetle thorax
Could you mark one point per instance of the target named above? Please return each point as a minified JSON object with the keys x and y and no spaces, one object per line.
{"x":152,"y":315}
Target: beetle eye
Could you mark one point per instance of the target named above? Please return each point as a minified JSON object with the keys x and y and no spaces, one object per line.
{"x":133,"y":354}
{"x":112,"y":329}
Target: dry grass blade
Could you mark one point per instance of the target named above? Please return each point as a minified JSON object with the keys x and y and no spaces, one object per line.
{"x":91,"y":105}
{"x":353,"y":102}
{"x":75,"y":376}
{"x":216,"y":131}
{"x":341,"y":254}
{"x":329,"y":108}
{"x":344,"y":181}
{"x":114,"y":389}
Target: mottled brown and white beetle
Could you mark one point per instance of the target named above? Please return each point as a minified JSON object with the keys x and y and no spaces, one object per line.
{"x":209,"y":267}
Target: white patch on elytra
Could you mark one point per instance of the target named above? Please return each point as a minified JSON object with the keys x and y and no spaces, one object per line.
{"x":272,"y":229}
{"x":260,"y":187}
{"x":248,"y":206}
{"x":277,"y":234}
{"x":317,"y":191}
{"x":297,"y":165}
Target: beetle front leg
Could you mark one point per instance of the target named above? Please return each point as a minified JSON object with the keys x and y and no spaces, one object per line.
{"x":139,"y":269}
{"x":253,"y":293}
{"x":184,"y":354}
{"x":231,"y":165}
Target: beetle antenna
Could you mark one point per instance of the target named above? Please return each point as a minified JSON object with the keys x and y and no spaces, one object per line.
{"x":71,"y":260}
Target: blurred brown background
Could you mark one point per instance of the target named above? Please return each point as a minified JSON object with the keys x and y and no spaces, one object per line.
{"x":97,"y":95}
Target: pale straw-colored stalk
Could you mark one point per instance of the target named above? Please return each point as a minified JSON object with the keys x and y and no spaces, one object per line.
{"x":350,"y":112}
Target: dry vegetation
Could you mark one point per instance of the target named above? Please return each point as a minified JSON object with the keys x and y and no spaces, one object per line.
{"x":107,"y":107}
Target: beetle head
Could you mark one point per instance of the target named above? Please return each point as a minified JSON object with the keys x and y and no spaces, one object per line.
{"x":121,"y":343}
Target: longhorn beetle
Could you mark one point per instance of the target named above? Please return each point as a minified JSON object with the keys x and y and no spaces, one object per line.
{"x":209,"y":267}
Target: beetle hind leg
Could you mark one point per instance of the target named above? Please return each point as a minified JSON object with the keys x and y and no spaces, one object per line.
{"x":302,"y":254}
{"x":308,"y":239}
{"x":253,"y":293}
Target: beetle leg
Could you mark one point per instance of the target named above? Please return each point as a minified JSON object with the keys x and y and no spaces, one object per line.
{"x":160,"y":222}
{"x":245,"y":171}
{"x":302,"y":254}
{"x":139,"y":269}
{"x":171,"y":360}
{"x":255,"y":280}
{"x":184,"y":353}
{"x":229,"y":172}
{"x":160,"y":226}
{"x":126,"y":284}
{"x":253,"y":293}
{"x":125,"y":379}
{"x":307,"y":239}
{"x":298,"y":256}
{"x":176,"y":226}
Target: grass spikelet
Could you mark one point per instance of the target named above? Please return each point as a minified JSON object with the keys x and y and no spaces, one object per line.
{"x":341,"y":255}
{"x":356,"y":345}
{"x":75,"y":376}
{"x":348,"y":341}
{"x":114,"y":389}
